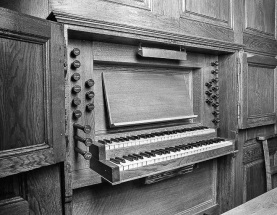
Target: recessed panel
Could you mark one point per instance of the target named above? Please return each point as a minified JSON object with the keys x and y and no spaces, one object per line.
{"x":216,"y":10}
{"x":260,"y":91}
{"x":260,"y":16}
{"x":22,"y":119}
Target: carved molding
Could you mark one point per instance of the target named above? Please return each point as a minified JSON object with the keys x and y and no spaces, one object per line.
{"x":142,"y":4}
{"x":138,"y":33}
{"x":252,"y":153}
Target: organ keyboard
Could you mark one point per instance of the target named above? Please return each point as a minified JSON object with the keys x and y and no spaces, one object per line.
{"x":130,"y":156}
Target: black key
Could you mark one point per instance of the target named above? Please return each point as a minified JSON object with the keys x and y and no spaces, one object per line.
{"x":120,"y":159}
{"x":151,"y":154}
{"x":177,"y":149}
{"x":114,"y":161}
{"x":107,"y":141}
{"x":145,"y":154}
{"x":128,"y":158}
{"x":132,"y":138}
{"x":138,"y":156}
{"x":156,"y":152}
{"x":114,"y":140}
{"x":102,"y":141}
{"x":171,"y":149}
{"x":134,"y":157}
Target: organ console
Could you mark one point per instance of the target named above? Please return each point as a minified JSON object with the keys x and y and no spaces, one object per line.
{"x":150,"y":119}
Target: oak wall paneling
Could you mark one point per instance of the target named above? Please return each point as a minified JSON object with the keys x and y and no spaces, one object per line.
{"x":32,"y":110}
{"x":181,"y":21}
{"x":257,"y":91}
{"x":259,"y":27}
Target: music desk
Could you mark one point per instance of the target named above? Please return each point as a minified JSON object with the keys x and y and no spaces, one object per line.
{"x":265,"y":204}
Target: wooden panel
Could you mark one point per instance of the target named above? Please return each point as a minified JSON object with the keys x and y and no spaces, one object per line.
{"x":37,"y":8}
{"x":260,"y":16}
{"x":144,"y":23}
{"x":22,"y":105}
{"x":217,"y":11}
{"x":44,"y":190}
{"x":254,"y":180}
{"x":179,"y":194}
{"x":134,"y":98}
{"x":258,"y":91}
{"x":14,"y":206}
{"x":32,"y":93}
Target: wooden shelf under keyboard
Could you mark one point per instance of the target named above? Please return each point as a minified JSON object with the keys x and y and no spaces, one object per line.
{"x":111,"y":173}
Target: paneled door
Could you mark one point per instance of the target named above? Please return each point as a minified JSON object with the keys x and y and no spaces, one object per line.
{"x":31,"y":93}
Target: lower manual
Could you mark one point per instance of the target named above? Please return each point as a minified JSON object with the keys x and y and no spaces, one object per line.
{"x":145,"y":163}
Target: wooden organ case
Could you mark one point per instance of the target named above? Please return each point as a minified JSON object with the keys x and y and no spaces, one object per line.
{"x":143,"y":128}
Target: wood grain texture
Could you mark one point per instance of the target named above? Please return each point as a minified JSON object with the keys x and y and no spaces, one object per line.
{"x":259,"y":45}
{"x":85,"y":177}
{"x":26,"y":161}
{"x":228,"y":69}
{"x":254,"y":180}
{"x":14,"y":206}
{"x":111,"y":172}
{"x":216,"y":11}
{"x":44,"y":190}
{"x":264,"y":204}
{"x":186,"y":194}
{"x":35,"y":8}
{"x":167,"y":8}
{"x":101,"y":116}
{"x":260,"y":16}
{"x":134,"y":98}
{"x":75,"y":160}
{"x":56,"y":91}
{"x":114,"y":16}
{"x":257,"y":87}
{"x":22,"y":120}
{"x":12,"y":22}
{"x":127,"y":54}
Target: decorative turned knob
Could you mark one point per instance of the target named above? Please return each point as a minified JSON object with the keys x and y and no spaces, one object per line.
{"x":75,"y":77}
{"x":208,"y":92}
{"x":215,"y":113}
{"x":86,"y":141}
{"x":208,"y":101}
{"x":75,"y":64}
{"x":89,"y":83}
{"x":215,"y":80}
{"x":214,"y":71}
{"x":90,"y":107}
{"x":85,"y":154}
{"x":215,"y":96}
{"x":215,"y":104}
{"x":90,"y":94}
{"x":75,"y":52}
{"x":77,"y":114}
{"x":76,"y":101}
{"x":214,"y":63}
{"x":76,"y":89}
{"x":216,"y":88}
{"x":208,"y":84}
{"x":85,"y":128}
{"x":215,"y":121}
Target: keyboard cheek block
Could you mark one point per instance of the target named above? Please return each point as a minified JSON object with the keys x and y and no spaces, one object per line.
{"x":112,"y":173}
